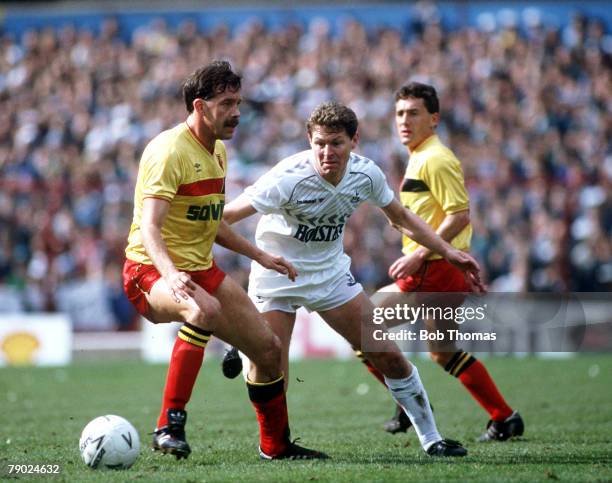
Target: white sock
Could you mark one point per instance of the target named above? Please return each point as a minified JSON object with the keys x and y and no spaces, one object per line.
{"x":410,"y":394}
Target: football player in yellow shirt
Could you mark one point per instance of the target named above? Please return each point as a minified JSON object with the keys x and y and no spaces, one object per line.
{"x":433,"y":188}
{"x":170,"y":274}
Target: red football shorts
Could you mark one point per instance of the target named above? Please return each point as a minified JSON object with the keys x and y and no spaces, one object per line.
{"x":435,"y":276}
{"x":138,"y":279}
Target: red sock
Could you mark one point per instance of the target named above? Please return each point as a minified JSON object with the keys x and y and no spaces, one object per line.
{"x":476,"y":379}
{"x":270,"y":405}
{"x":185,"y":363}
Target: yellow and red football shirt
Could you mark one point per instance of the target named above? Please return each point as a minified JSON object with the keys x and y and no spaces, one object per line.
{"x":433,"y":187}
{"x":176,"y":167}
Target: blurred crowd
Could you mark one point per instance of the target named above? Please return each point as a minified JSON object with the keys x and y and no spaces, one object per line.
{"x":525,"y":108}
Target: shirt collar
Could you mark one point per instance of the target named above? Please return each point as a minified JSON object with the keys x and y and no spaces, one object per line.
{"x":433,"y":139}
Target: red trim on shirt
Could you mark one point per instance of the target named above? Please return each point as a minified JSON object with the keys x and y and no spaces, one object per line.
{"x":204,"y":187}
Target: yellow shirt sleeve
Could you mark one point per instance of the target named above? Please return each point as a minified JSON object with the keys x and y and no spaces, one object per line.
{"x":444,"y":177}
{"x":161,"y":174}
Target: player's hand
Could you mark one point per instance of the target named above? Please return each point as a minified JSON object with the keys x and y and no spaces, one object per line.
{"x":476,"y":285}
{"x":463,"y":261}
{"x":274,"y":262}
{"x":405,"y":266}
{"x":181,"y":286}
{"x":469,"y":265}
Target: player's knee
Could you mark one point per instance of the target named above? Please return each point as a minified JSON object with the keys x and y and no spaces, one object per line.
{"x":206,"y":316}
{"x":202,"y":319}
{"x":197,"y":317}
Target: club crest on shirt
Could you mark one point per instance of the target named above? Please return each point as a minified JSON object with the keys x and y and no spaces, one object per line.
{"x":220,"y":160}
{"x":198,"y":167}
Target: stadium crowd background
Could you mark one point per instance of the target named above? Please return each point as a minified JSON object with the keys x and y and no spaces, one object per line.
{"x":526,"y":107}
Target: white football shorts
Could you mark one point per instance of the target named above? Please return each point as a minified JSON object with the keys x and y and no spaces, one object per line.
{"x":315,"y":292}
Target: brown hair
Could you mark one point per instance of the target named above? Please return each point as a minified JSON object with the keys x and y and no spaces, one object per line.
{"x":420,"y":91}
{"x":334,"y":116}
{"x":208,"y":81}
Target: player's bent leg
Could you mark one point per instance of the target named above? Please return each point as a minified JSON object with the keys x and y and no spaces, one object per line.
{"x":399,"y":422}
{"x":389,"y":296}
{"x":353,"y":321}
{"x":282,"y":324}
{"x":163,"y":307}
{"x":185,"y":363}
{"x":504,"y":423}
{"x":244,"y":327}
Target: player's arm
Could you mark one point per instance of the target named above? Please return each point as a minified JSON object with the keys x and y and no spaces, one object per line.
{"x":451,"y":226}
{"x":154,"y":212}
{"x":444,"y":176}
{"x":228,"y":238}
{"x":414,"y":227}
{"x":238,"y":209}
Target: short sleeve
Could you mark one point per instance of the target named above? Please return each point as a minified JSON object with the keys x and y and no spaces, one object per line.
{"x":382,"y":194}
{"x":444,"y":177}
{"x":160,"y":174}
{"x":266,"y":194}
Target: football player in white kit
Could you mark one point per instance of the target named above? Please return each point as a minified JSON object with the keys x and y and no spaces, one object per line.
{"x":305,"y":200}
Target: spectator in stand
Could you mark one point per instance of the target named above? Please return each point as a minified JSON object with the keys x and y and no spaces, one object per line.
{"x":527,"y":109}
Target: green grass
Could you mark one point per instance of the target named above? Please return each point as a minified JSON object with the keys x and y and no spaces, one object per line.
{"x":334,"y":406}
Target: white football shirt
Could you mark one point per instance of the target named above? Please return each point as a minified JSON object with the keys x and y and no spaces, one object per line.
{"x":304,"y":215}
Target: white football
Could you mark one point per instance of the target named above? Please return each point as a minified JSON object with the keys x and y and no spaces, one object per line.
{"x":109,"y":442}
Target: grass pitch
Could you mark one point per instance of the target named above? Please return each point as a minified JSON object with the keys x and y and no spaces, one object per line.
{"x":334,"y":406}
